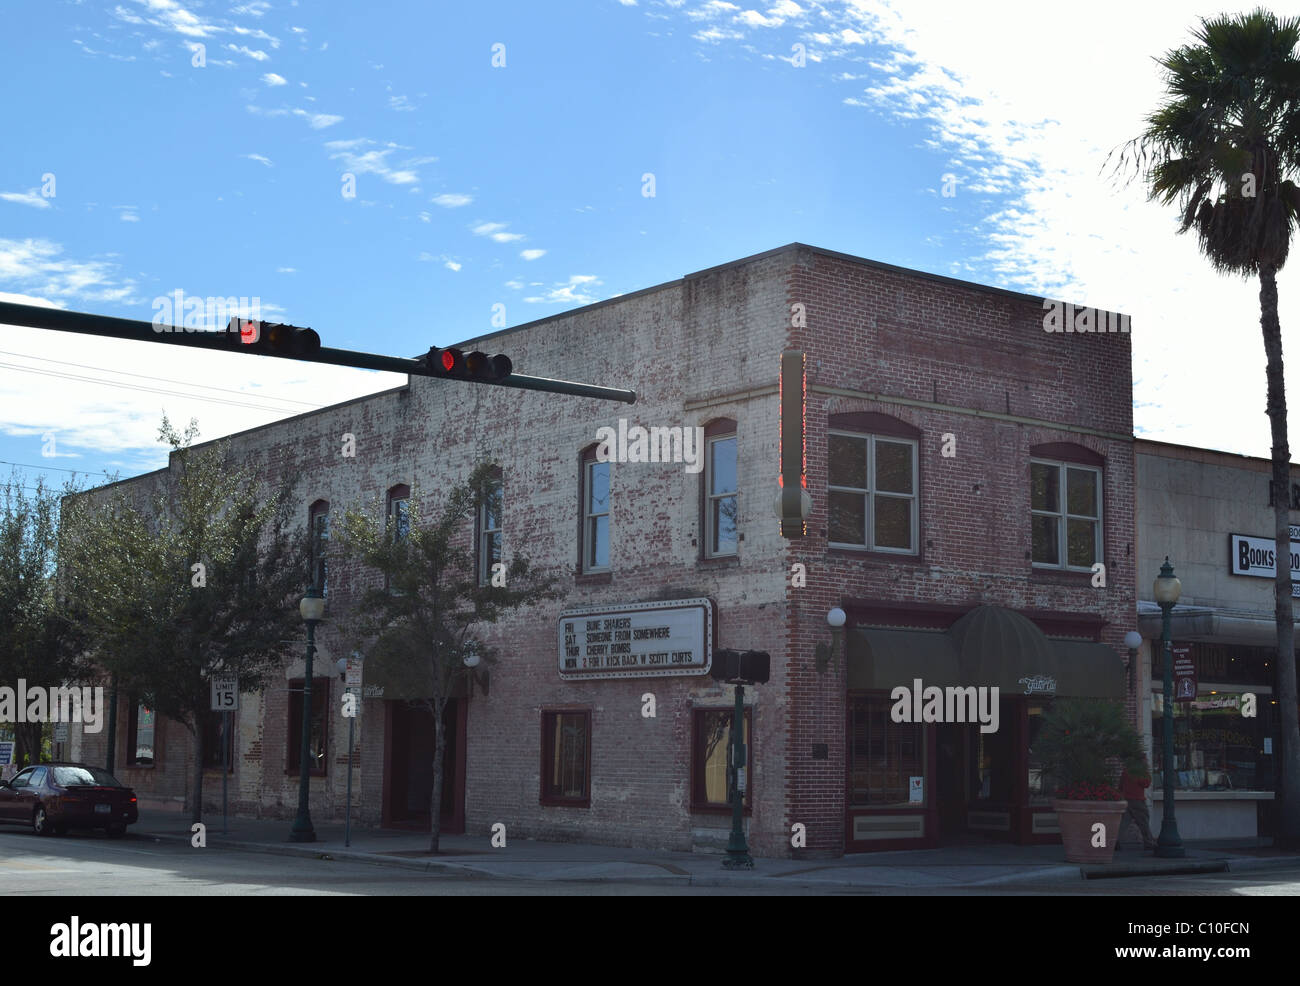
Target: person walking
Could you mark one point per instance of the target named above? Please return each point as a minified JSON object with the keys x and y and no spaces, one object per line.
{"x":1138,"y":815}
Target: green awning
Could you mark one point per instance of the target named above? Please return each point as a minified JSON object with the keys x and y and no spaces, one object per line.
{"x":886,"y":659}
{"x":1089,"y":670}
{"x":997,"y":647}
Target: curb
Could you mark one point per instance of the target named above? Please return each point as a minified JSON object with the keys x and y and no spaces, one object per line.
{"x":473,"y":871}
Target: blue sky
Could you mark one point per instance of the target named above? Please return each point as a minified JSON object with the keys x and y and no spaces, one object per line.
{"x":220,"y":171}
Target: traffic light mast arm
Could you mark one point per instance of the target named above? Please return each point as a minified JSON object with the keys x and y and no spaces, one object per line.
{"x":106,"y":326}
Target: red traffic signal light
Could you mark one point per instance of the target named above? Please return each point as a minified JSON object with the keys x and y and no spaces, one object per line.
{"x":459,"y":365}
{"x":275,"y":338}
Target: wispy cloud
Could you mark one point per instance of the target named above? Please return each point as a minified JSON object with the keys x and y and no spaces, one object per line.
{"x":373,"y":162}
{"x":271,"y":79}
{"x":30,"y":197}
{"x":532,"y":254}
{"x":260,"y":159}
{"x":36,"y":266}
{"x":495,"y":231}
{"x":319,"y":121}
{"x":256,"y":54}
{"x":450,"y":200}
{"x":574,"y":291}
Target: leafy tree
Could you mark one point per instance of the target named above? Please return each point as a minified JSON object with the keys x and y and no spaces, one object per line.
{"x":422,"y":619}
{"x":1226,"y":146}
{"x":161,"y":623}
{"x":38,"y":643}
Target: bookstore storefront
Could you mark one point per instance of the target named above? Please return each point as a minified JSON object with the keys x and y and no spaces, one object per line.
{"x":1226,"y":734}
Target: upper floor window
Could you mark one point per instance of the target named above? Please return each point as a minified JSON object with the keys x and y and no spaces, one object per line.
{"x":489,"y":529}
{"x":721,"y":484}
{"x":320,"y":535}
{"x":399,"y":510}
{"x":1065,"y":514}
{"x":871,"y":491}
{"x":595,"y":513}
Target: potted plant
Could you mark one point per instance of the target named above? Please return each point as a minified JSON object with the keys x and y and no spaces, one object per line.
{"x":1083,"y":744}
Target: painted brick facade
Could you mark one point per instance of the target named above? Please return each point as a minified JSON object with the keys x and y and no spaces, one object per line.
{"x":942,"y":356}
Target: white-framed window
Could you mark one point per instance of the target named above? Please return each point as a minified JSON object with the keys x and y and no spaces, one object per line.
{"x":872,"y":492}
{"x":1065,"y":514}
{"x":489,"y":530}
{"x":595,"y":515}
{"x":721,"y":498}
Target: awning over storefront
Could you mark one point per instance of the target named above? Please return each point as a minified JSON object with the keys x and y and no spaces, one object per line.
{"x":1089,"y":670}
{"x":888,"y":658}
{"x":989,"y":646}
{"x":998,"y":646}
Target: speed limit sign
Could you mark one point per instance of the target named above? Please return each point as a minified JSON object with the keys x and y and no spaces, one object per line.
{"x":225,"y":693}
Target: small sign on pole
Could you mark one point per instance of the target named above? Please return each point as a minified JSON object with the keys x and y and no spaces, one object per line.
{"x":225,"y":693}
{"x":6,"y":753}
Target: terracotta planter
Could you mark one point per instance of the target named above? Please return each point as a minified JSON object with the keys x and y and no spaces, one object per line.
{"x":1076,"y":819}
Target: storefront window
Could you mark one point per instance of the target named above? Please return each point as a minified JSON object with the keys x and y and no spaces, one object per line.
{"x":1216,"y":748}
{"x":1040,"y":785}
{"x":883,"y":755}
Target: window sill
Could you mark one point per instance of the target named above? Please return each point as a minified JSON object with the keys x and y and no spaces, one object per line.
{"x":869,"y":554}
{"x":1060,"y":576}
{"x":593,"y":578}
{"x":717,"y":810}
{"x":718,"y":561}
{"x":546,"y":802}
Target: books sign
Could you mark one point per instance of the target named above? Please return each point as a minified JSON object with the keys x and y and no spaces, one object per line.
{"x":643,"y":640}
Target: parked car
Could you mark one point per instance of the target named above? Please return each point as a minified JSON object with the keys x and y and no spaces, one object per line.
{"x":55,"y":797}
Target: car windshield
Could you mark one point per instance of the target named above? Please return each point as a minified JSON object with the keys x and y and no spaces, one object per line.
{"x":84,"y":776}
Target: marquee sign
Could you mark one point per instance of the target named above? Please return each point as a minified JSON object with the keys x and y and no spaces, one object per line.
{"x":644,"y":640}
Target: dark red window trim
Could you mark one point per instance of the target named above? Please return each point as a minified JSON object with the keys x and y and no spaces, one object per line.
{"x":548,"y":756}
{"x":717,"y":428}
{"x":872,"y":423}
{"x":320,"y":686}
{"x":1067,"y":452}
{"x":698,"y":804}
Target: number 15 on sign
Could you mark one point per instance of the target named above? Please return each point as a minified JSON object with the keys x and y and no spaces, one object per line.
{"x":225,"y":693}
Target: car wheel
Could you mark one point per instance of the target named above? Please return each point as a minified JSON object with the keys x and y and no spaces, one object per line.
{"x":40,"y":821}
{"x":116,"y":831}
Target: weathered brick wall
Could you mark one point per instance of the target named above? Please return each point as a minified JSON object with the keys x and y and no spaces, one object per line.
{"x":703,"y":348}
{"x":905,"y":336}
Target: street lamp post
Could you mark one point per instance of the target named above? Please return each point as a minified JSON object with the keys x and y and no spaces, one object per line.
{"x":1167,"y":589}
{"x":312,"y":609}
{"x":738,"y":857}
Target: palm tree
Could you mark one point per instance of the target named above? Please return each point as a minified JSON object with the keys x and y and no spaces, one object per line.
{"x":1224,"y":145}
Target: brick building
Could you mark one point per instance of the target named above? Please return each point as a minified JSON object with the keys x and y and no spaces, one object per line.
{"x":977,"y":467}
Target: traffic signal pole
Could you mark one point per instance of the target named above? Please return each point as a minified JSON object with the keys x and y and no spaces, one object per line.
{"x":106,"y":326}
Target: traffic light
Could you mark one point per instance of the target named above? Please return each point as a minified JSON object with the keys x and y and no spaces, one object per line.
{"x":275,"y":338}
{"x":459,"y":365}
{"x":748,"y":667}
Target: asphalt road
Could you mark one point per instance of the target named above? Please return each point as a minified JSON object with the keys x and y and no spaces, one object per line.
{"x":90,"y":864}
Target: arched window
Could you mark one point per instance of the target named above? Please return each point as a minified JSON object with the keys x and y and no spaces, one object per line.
{"x":594,"y":502}
{"x":721,"y":490}
{"x":1065,"y":500}
{"x":873,"y":482}
{"x":318,"y":525}
{"x":398,"y":510}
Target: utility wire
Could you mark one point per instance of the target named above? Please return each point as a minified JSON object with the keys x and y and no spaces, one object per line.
{"x":145,"y":376}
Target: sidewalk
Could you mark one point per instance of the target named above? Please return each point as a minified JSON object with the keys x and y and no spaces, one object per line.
{"x":525,"y":859}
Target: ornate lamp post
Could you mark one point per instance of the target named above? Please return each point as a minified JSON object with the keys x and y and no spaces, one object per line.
{"x":1167,"y":589}
{"x":312,"y":609}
